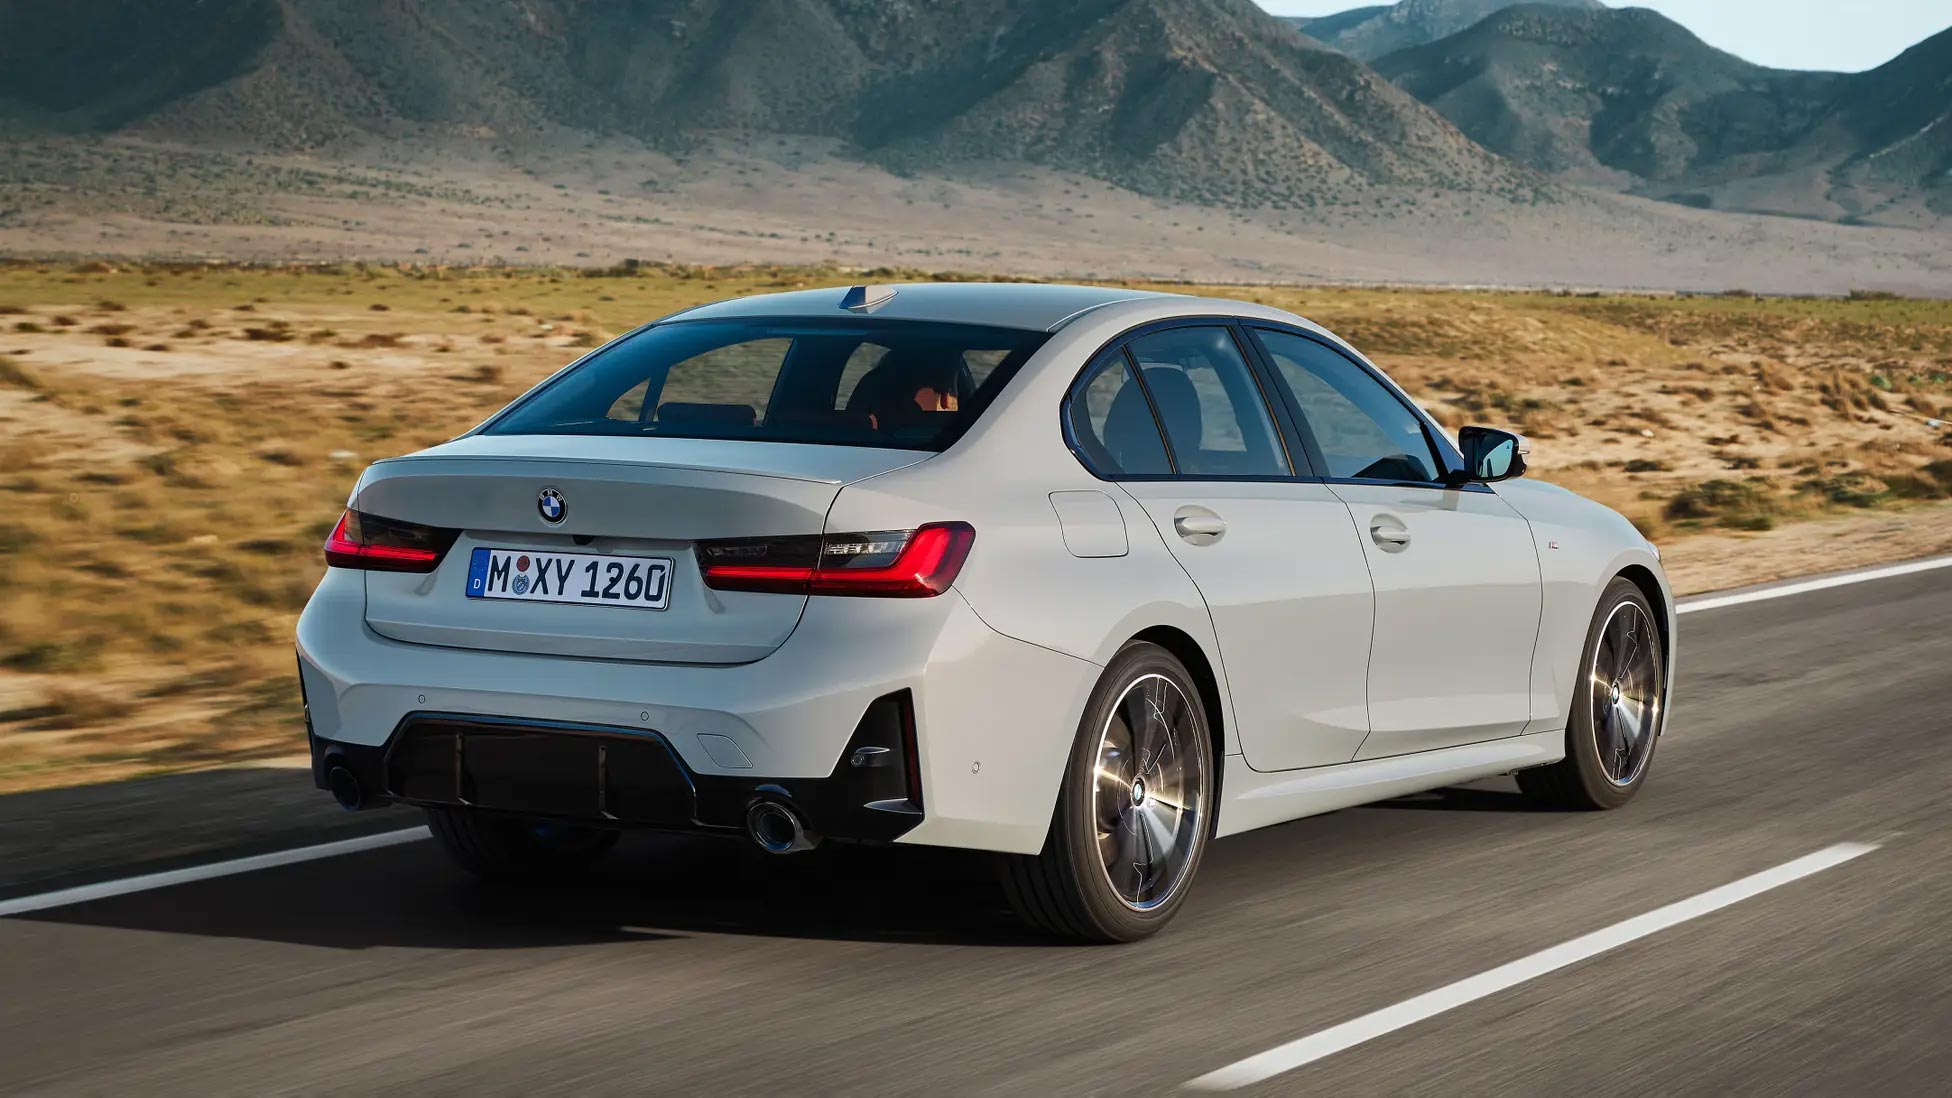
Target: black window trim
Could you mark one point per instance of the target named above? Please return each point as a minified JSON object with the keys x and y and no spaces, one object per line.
{"x":1433,"y":435}
{"x":1298,"y":460}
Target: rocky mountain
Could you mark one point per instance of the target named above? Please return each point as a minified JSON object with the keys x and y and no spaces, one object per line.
{"x":1371,"y":32}
{"x":1629,"y":98}
{"x":1204,"y":100}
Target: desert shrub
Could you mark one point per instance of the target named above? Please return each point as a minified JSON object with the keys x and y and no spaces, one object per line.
{"x":1737,"y":504}
{"x":1849,"y":489}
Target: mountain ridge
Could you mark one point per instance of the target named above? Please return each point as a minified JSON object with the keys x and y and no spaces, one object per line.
{"x":1204,"y":100}
{"x":1368,"y":33}
{"x":1629,"y":99}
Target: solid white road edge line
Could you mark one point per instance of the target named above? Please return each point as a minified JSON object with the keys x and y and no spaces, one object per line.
{"x":1714,"y":602}
{"x":1330,"y":1041}
{"x":126,"y":885}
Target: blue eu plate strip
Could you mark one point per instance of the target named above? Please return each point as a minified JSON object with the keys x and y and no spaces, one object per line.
{"x":478,"y":574}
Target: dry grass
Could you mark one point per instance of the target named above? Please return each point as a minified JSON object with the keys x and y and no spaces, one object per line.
{"x":164,"y":508}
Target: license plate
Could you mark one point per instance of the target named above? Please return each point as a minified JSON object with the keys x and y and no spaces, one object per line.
{"x":642,"y":583}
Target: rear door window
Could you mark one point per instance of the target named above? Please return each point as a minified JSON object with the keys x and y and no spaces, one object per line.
{"x":1216,"y":422}
{"x":1112,"y":425}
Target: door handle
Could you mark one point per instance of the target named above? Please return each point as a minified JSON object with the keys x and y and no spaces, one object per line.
{"x":1389,"y":533}
{"x":1199,"y":525}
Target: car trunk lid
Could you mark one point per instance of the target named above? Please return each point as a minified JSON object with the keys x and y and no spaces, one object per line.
{"x":618,"y":498}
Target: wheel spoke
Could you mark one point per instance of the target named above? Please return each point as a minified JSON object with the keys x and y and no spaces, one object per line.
{"x":1624,"y":686}
{"x":1147,"y":786}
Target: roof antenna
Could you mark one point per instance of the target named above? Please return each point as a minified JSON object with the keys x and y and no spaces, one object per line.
{"x":866,"y":299}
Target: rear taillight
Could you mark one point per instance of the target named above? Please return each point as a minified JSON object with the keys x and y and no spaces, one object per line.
{"x":916,"y":563}
{"x":386,"y":545}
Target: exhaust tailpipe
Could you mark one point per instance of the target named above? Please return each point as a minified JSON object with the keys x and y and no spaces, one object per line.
{"x":345,"y":789}
{"x":778,"y":829}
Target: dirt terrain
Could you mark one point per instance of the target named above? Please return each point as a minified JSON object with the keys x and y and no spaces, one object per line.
{"x":574,"y":199}
{"x":175,"y":443}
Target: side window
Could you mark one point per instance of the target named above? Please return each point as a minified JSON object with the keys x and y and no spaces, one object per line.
{"x":630,"y":405}
{"x":1215,"y":419}
{"x":728,"y":385}
{"x":865,"y":358}
{"x":1112,"y":423}
{"x":981,"y":363}
{"x":1364,"y":431}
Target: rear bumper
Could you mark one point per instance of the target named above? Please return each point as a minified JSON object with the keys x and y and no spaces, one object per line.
{"x":623,"y":777}
{"x":995,"y":717}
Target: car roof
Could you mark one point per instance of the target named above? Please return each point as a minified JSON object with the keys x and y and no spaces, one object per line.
{"x":1035,"y":306}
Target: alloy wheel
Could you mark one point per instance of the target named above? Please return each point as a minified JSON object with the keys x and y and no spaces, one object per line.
{"x":1626,"y":693}
{"x":1148,"y":792}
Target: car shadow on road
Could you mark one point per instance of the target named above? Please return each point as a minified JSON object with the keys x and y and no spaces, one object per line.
{"x":651,"y":888}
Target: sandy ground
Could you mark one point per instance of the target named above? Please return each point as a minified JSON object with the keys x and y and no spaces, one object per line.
{"x":1716,"y":562}
{"x":577,"y":200}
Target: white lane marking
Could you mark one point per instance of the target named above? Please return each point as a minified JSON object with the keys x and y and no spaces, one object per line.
{"x":105,"y":889}
{"x":1330,"y":1041}
{"x":1714,"y":602}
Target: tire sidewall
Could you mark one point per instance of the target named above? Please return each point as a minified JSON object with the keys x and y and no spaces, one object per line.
{"x":1076,"y":822}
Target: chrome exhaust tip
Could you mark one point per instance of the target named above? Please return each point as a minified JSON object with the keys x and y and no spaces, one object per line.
{"x":778,"y":829}
{"x":345,"y":789}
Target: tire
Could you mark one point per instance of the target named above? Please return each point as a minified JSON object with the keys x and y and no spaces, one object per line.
{"x":1617,"y":709}
{"x":512,"y":848}
{"x":1068,"y":889}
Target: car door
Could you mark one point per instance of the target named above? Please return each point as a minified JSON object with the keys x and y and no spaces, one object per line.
{"x":1276,"y":557}
{"x":1456,"y":573}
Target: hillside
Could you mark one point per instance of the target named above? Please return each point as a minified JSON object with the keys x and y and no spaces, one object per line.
{"x":1587,"y":93}
{"x":1205,"y":100}
{"x":1371,"y":32}
{"x":1629,"y":98}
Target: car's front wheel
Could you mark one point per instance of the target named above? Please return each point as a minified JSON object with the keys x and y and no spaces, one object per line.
{"x":503,"y":847}
{"x":1616,"y":711}
{"x":1134,"y":813}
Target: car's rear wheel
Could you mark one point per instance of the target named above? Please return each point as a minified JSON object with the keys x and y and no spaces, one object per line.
{"x":504,"y":847}
{"x":1617,"y":709}
{"x":1134,"y":813}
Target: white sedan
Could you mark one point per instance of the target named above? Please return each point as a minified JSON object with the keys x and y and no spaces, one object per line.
{"x":1084,"y":576}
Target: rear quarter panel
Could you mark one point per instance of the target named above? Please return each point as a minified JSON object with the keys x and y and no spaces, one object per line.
{"x":1021,"y":579}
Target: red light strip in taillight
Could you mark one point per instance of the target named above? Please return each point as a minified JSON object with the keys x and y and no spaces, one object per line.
{"x":342,"y":550}
{"x":926,"y":566}
{"x":772,"y":579}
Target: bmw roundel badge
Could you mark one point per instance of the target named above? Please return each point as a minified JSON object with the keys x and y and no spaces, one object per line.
{"x":551,"y":506}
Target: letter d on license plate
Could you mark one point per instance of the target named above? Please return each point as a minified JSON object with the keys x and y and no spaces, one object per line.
{"x":599,"y":579}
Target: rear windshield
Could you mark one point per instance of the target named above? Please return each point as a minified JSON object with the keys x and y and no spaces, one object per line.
{"x":910,"y":385}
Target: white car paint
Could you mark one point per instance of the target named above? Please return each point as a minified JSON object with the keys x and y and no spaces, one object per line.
{"x":1343,"y":671}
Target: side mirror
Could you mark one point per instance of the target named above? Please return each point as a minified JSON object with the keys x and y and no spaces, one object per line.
{"x":1492,"y":455}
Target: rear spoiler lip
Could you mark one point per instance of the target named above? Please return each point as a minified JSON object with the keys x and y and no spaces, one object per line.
{"x":430,"y":456}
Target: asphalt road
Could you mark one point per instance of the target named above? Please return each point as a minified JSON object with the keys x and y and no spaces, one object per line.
{"x":695,"y":968}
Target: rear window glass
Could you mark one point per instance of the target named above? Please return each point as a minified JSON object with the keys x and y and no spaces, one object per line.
{"x":903,"y":384}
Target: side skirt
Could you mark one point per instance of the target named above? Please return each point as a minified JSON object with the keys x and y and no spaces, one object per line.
{"x":1258,"y":799}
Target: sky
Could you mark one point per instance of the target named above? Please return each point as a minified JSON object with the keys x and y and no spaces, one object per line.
{"x":1835,"y":35}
